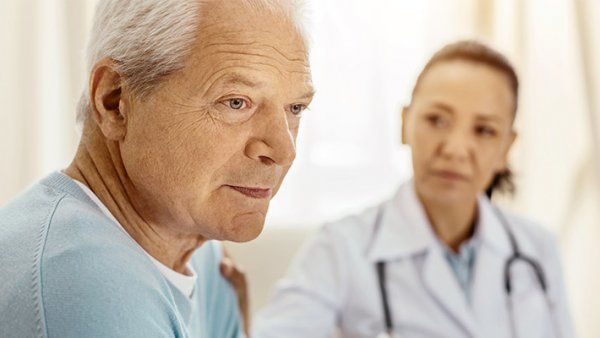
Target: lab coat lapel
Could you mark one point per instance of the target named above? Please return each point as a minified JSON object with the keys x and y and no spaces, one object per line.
{"x":488,"y":296}
{"x":488,"y":299}
{"x":401,"y":233}
{"x":492,"y":231}
{"x":487,"y":278}
{"x":405,"y":232}
{"x":441,"y":283}
{"x":438,"y":277}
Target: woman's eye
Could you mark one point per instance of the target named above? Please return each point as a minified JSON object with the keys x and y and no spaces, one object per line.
{"x":236,"y":103}
{"x":436,"y":121}
{"x":297,"y":109}
{"x":485,"y":131}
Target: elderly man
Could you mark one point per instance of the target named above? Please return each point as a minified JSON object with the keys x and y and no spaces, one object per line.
{"x":189,"y":126}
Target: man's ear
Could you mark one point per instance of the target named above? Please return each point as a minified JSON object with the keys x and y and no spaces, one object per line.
{"x":107,"y":103}
{"x":404,"y":125}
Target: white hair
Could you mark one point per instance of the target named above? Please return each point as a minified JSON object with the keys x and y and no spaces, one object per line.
{"x":150,"y":39}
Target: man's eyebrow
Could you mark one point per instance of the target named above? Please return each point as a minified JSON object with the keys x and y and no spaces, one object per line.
{"x":239,"y":79}
{"x":308,"y":95}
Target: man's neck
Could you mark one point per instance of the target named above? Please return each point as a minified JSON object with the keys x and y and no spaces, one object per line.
{"x":98,"y":165}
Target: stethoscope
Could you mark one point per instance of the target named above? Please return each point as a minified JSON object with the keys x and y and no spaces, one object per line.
{"x":516,"y":256}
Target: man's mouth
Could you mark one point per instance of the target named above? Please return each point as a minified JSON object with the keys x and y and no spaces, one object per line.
{"x":257,"y":193}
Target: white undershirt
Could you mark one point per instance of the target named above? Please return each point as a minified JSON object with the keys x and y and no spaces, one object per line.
{"x":183,"y":283}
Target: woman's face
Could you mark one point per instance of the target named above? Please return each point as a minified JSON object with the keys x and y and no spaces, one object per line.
{"x":459,"y":127}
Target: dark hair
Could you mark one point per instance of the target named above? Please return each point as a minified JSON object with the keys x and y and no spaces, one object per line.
{"x":477,"y":52}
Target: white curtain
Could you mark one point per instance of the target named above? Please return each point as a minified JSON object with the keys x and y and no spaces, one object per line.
{"x":41,"y":78}
{"x":365,"y":57}
{"x":556,"y":44}
{"x":582,"y":220}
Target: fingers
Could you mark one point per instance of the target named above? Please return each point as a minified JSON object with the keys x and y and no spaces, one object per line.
{"x":233,"y":273}
{"x":227,"y":267}
{"x":225,"y":252}
{"x":237,"y":277}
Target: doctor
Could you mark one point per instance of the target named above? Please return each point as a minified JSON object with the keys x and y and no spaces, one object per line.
{"x":438,"y":259}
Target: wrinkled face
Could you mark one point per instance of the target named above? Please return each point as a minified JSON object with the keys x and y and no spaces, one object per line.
{"x":459,"y":127}
{"x":210,"y":147}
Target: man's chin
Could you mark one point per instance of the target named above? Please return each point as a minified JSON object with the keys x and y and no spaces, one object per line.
{"x":243,"y":238}
{"x":245,"y":227}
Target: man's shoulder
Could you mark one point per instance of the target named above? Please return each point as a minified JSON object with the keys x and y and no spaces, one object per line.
{"x":91,"y":286}
{"x":27,"y":218}
{"x":208,"y":256}
{"x":46,"y":223}
{"x":206,"y":262}
{"x":80,"y":247}
{"x":94,"y":275}
{"x":73,"y":271}
{"x":86,"y":250}
{"x":27,"y":212}
{"x":219,"y":298}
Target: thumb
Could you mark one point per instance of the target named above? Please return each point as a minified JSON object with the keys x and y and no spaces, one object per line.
{"x":226,"y":267}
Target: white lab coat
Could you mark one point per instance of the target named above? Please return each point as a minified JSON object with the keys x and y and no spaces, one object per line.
{"x":332,"y":285}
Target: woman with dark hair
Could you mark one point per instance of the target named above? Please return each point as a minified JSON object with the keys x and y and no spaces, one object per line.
{"x":438,"y":259}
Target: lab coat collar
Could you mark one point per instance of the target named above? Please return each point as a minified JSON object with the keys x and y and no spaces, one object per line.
{"x":403,"y":228}
{"x":493,"y":233}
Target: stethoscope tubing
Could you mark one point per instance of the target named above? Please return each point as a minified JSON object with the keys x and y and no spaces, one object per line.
{"x":515,"y":257}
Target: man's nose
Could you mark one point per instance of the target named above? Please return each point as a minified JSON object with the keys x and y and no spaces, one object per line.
{"x":273,"y":142}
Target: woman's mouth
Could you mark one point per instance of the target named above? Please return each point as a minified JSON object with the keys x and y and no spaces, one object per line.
{"x":450,"y":175}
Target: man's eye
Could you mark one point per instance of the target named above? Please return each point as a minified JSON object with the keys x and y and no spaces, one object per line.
{"x":236,"y":103}
{"x":297,"y":109}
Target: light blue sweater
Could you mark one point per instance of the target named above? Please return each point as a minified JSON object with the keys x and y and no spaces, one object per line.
{"x":67,"y":270}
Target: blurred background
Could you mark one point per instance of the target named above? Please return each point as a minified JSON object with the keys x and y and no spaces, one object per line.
{"x":365,"y":58}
